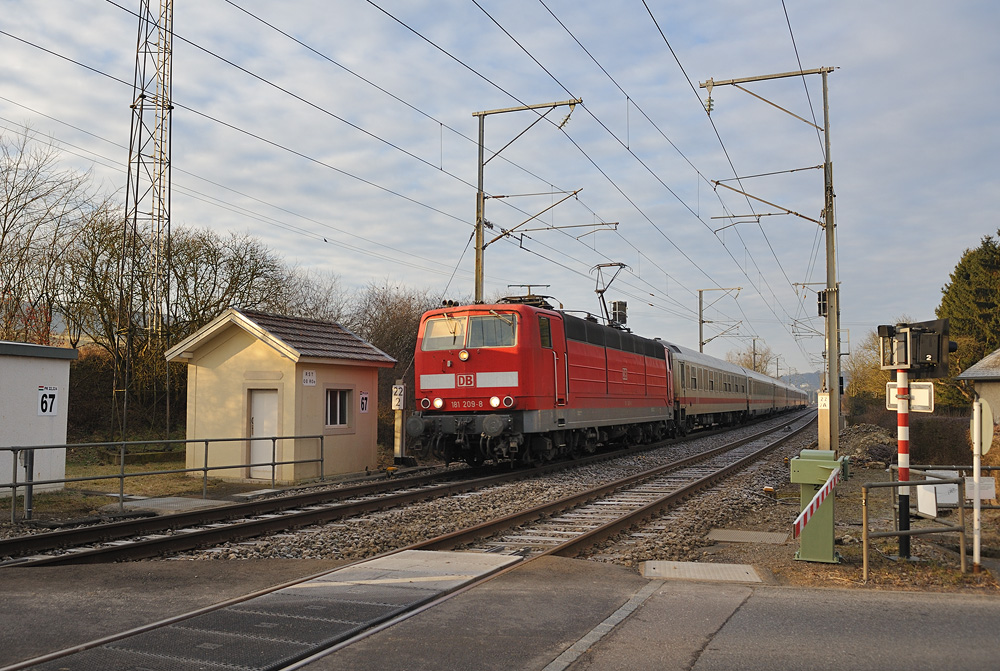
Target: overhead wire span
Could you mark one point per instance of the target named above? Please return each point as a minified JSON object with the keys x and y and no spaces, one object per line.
{"x":289,"y":36}
{"x":735,"y":172}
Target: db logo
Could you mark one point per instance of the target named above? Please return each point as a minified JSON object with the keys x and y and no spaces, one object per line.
{"x":467,"y":380}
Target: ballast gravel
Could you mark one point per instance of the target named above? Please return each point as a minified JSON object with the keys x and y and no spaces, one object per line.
{"x":679,"y":534}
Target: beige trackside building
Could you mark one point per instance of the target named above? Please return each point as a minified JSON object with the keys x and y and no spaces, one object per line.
{"x":256,"y":376}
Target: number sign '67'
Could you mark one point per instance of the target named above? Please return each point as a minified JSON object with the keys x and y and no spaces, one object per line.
{"x":48,"y":398}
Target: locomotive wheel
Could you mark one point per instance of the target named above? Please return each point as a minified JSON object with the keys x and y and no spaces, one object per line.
{"x":573,"y":444}
{"x":543,"y":448}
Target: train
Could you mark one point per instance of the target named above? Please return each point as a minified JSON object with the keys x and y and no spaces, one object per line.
{"x":521,"y":381}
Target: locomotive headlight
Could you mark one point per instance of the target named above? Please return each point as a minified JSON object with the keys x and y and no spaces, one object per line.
{"x":439,"y":403}
{"x":463,"y":355}
{"x":495,"y":402}
{"x":508,"y":402}
{"x":425,"y":403}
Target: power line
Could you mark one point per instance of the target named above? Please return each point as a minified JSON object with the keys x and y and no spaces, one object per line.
{"x":735,"y":172}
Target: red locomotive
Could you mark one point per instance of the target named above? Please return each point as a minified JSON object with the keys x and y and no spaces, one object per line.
{"x":521,"y":381}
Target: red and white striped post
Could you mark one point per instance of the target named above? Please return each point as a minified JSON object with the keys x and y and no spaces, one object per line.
{"x":903,"y":441}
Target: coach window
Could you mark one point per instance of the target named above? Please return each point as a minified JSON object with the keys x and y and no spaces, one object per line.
{"x":545,"y":331}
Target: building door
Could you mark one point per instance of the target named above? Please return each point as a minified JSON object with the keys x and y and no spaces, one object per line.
{"x":263,"y":425}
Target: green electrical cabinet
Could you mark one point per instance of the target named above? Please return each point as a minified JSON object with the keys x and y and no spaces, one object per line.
{"x":810,"y":470}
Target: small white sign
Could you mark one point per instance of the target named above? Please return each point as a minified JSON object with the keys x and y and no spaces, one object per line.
{"x":947,"y":495}
{"x":398,"y":397}
{"x":308,"y":378}
{"x":921,"y":396}
{"x":48,"y":401}
{"x":987,"y":488}
{"x":824,"y":401}
{"x":364,"y":401}
{"x":927,"y":501}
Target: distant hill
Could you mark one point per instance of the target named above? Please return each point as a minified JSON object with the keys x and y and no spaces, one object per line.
{"x":809,"y":382}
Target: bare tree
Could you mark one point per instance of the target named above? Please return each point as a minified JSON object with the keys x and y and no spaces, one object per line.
{"x":41,"y":208}
{"x":89,"y":300}
{"x":211,"y":272}
{"x":312,"y":294}
{"x":862,"y":369}
{"x":388,"y":316}
{"x":758,"y":358}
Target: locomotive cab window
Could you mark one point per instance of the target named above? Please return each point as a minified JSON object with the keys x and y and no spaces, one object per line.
{"x":545,"y":332}
{"x":493,"y":330}
{"x":443,"y":333}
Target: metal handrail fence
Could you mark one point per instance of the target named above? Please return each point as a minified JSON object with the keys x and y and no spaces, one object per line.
{"x":29,"y":450}
{"x":961,"y":469}
{"x":942,"y":527}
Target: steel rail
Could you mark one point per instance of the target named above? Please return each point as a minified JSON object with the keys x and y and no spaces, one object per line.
{"x":569,"y":548}
{"x":458,"y":538}
{"x":191,"y":530}
{"x":273,"y":514}
{"x":464,"y":536}
{"x":107,"y":532}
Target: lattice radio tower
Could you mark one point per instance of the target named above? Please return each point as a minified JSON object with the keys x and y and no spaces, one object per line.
{"x":144,"y":268}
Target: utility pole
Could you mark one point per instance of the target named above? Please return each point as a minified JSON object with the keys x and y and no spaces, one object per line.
{"x":701,"y":321}
{"x":829,"y":439}
{"x":480,"y":193}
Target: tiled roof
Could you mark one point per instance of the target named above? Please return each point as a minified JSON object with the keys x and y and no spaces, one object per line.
{"x":318,"y":339}
{"x":988,"y":368}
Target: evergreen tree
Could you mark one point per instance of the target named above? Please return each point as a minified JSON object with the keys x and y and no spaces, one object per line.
{"x":971,"y":303}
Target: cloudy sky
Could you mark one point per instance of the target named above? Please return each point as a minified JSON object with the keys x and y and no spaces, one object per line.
{"x":342,"y":134}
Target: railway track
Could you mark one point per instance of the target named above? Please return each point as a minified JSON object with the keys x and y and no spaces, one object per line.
{"x":347,"y":607}
{"x":575,"y":523}
{"x":180,"y":532}
{"x":167,"y":534}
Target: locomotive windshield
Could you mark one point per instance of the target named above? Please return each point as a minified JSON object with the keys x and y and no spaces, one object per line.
{"x":492,"y":330}
{"x":444,"y":333}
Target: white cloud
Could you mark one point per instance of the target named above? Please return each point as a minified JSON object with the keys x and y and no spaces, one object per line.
{"x":913,"y":137}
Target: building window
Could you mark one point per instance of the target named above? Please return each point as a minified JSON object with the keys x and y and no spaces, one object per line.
{"x":337,"y":407}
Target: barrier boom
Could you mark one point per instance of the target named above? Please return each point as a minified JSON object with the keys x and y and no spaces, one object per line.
{"x":817,"y":500}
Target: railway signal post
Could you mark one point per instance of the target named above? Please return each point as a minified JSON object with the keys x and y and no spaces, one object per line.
{"x":918,"y":350}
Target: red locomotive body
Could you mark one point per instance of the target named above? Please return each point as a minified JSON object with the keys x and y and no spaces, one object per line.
{"x":524,"y":381}
{"x":521,"y":381}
